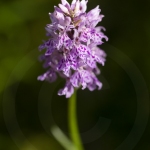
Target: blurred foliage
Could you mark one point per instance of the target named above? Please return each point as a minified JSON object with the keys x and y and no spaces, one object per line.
{"x":29,"y":107}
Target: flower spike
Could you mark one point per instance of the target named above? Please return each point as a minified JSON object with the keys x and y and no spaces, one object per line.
{"x":72,"y":50}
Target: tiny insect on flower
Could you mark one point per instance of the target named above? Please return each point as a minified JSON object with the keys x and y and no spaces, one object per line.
{"x":72,"y":50}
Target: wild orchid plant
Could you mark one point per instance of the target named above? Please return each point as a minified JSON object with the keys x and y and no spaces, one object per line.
{"x":72,"y":50}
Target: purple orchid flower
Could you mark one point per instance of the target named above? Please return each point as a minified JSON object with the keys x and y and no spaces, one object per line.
{"x":72,"y":50}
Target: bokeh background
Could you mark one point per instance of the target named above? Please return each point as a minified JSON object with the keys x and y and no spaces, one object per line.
{"x":115,"y":118}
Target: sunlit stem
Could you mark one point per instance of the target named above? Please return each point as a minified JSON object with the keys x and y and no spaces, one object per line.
{"x":73,"y":125}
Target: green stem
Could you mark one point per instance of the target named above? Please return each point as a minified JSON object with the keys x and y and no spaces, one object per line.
{"x":73,"y":126}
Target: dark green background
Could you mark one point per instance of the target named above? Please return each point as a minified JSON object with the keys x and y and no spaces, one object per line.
{"x":107,"y":118}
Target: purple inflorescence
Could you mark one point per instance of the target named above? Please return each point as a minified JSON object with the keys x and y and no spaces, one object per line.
{"x":72,"y":48}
